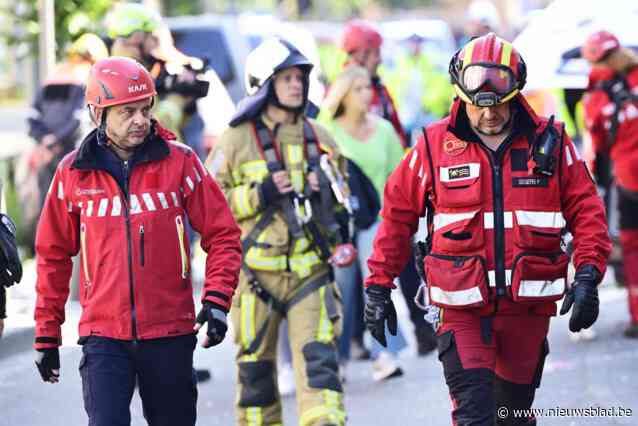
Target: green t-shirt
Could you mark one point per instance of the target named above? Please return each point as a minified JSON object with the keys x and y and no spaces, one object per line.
{"x":377,"y":157}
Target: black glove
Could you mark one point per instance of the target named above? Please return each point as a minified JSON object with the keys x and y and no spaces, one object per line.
{"x":10,"y":266}
{"x":48,"y":360}
{"x":215,"y":316}
{"x":583,"y":294}
{"x":379,"y":309}
{"x":268,"y":192}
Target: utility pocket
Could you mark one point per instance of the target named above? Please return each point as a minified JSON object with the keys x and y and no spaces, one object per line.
{"x":461,"y":185}
{"x":456,"y":281}
{"x":457,"y":233}
{"x":539,"y":277}
{"x":538,"y":231}
{"x":181,"y":239}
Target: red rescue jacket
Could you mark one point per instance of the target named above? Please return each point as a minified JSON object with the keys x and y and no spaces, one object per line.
{"x":599,"y":110}
{"x":496,"y":227}
{"x":383,"y":105}
{"x":134,"y":251}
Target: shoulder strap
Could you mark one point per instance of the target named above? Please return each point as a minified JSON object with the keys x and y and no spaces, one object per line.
{"x":266,"y":143}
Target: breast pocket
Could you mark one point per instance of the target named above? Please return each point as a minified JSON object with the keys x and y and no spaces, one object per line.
{"x":460,"y":185}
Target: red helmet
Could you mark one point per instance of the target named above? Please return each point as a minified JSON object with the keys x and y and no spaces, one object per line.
{"x":487,"y":71}
{"x":598,"y":45}
{"x":116,"y":81}
{"x":360,"y":34}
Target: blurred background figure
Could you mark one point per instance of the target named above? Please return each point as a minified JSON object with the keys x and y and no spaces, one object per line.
{"x":419,"y":86}
{"x":56,"y":123}
{"x":362,"y":42}
{"x":373,"y":150}
{"x":481,"y":18}
{"x":611,"y":117}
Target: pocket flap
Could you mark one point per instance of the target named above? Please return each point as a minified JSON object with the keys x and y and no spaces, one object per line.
{"x":537,"y":277}
{"x":456,"y":281}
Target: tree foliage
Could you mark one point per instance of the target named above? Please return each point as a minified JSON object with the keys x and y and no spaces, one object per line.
{"x":72,"y":19}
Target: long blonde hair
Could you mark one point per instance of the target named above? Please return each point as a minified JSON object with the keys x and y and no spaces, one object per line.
{"x":333,"y":103}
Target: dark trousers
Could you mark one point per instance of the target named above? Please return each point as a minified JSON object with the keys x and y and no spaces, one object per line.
{"x":410,"y":282}
{"x":491,"y":378}
{"x":162,"y":369}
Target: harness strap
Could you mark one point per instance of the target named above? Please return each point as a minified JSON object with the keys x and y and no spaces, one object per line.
{"x":282,"y":308}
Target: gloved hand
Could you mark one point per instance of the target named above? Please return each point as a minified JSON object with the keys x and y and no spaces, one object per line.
{"x":379,"y":309}
{"x":48,"y":363}
{"x":583,"y":294}
{"x":10,"y":266}
{"x":215,"y":316}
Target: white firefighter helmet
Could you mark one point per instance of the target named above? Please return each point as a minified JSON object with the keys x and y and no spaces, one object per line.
{"x":270,"y":57}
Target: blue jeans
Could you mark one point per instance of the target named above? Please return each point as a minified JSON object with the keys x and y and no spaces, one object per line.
{"x":347,"y":280}
{"x":162,"y":369}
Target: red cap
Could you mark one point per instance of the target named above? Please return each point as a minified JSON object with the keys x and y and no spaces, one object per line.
{"x":598,"y":45}
{"x":360,"y":34}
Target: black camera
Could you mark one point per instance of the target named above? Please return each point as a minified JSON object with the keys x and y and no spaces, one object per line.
{"x":193,"y":84}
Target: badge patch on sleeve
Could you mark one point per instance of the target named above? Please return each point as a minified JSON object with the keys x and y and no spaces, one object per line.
{"x":531,"y":181}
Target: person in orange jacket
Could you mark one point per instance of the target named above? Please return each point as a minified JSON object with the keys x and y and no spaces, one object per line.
{"x":611,"y":118}
{"x":499,"y":185}
{"x":121,"y":200}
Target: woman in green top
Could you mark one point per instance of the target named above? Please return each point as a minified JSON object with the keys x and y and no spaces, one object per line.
{"x":372,"y":144}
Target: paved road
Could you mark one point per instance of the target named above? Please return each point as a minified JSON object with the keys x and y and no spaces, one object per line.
{"x":598,"y":373}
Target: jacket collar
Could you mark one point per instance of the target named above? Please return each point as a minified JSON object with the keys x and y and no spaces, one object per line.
{"x":154,"y":148}
{"x":525,"y":119}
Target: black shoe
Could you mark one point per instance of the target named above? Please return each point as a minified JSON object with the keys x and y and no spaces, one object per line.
{"x":202,"y":375}
{"x":631,"y":331}
{"x":425,"y":340}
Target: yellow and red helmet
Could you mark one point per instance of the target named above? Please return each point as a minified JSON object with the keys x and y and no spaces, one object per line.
{"x":487,"y":71}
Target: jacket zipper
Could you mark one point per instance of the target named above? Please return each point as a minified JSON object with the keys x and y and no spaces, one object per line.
{"x":499,"y":221}
{"x":85,"y":261}
{"x":179,"y":225}
{"x":129,"y":239}
{"x":142,"y":245}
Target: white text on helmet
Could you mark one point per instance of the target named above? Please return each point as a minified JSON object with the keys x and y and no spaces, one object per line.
{"x":137,"y":88}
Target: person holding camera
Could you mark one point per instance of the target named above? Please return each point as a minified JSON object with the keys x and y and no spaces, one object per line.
{"x":137,"y":32}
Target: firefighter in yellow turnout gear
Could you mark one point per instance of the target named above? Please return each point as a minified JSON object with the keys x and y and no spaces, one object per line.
{"x":272,"y":163}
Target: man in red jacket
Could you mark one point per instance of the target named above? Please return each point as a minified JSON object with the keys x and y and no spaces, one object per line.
{"x":122,"y":200}
{"x":611,"y":117}
{"x":500,"y":186}
{"x":362,"y":42}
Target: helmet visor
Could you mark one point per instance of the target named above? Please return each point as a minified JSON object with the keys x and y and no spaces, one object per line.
{"x":488,"y":78}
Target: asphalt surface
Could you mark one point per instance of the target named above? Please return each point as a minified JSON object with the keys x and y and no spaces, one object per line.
{"x":598,"y":373}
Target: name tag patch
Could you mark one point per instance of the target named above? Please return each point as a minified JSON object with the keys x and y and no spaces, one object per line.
{"x":530,"y":181}
{"x":458,"y":172}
